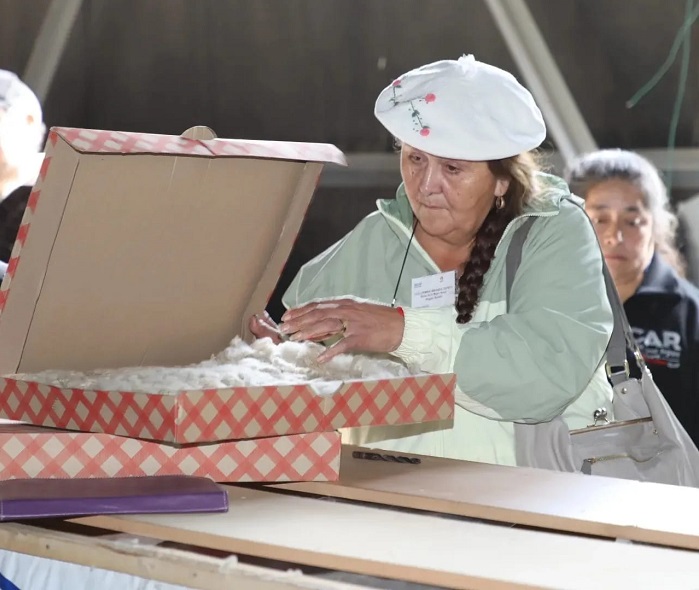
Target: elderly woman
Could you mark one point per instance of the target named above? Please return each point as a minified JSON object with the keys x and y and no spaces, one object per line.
{"x":628,"y":203}
{"x":438,"y":251}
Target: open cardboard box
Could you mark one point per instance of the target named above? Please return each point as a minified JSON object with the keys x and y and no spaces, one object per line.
{"x":140,"y":250}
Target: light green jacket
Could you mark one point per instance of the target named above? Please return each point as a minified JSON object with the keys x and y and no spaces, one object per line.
{"x":541,"y":357}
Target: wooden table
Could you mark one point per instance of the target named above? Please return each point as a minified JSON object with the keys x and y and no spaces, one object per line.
{"x":440,"y":522}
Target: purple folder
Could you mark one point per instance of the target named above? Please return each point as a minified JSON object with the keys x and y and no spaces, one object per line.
{"x":49,"y":498}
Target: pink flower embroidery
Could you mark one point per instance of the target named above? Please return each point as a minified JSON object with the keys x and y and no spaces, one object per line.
{"x":418,"y":123}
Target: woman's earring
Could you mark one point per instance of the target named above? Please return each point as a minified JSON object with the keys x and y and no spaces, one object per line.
{"x":499,"y":202}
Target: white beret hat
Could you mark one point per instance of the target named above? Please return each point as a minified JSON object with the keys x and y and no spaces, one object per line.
{"x":16,"y":94}
{"x":461,"y":109}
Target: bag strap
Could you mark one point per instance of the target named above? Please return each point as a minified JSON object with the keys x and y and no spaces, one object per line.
{"x":622,"y":336}
{"x":513,"y":258}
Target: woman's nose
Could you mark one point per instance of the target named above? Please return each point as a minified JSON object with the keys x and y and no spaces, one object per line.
{"x":613,"y":235}
{"x":430,"y":180}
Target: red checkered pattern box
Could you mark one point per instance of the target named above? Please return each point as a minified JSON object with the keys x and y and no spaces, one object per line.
{"x":237,"y":413}
{"x":30,"y":451}
{"x":35,"y":297}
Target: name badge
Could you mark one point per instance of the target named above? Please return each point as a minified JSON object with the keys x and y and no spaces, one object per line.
{"x":434,"y":290}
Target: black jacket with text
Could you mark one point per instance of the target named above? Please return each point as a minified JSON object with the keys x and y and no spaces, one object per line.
{"x":664,"y":316}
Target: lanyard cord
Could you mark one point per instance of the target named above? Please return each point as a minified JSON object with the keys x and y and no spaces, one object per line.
{"x":402,"y":266}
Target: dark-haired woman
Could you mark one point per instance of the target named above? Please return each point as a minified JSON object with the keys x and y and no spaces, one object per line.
{"x":628,"y":203}
{"x":423,"y":278}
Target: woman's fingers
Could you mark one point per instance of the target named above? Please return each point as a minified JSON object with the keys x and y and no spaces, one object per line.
{"x":316,"y":328}
{"x":303,"y":310}
{"x":267,"y":320}
{"x":342,"y":346}
{"x":264,"y":329}
{"x":297,"y":312}
{"x":363,"y":327}
{"x":315,"y":321}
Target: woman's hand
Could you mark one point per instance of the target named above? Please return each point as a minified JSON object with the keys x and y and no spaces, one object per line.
{"x":362,"y":327}
{"x":263,"y":326}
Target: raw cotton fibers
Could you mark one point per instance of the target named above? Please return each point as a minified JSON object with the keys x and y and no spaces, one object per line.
{"x":239,"y":365}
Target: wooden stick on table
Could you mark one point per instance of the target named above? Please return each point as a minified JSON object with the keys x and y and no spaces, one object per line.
{"x":600,"y":506}
{"x":151,"y":562}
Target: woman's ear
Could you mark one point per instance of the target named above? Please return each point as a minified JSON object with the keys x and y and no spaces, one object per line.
{"x":501,"y":186}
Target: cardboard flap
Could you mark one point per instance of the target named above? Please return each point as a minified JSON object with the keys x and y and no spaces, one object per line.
{"x":149,"y":249}
{"x":116,"y":142}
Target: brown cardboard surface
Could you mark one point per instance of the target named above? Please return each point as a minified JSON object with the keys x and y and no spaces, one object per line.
{"x":156,"y":260}
{"x":17,"y":313}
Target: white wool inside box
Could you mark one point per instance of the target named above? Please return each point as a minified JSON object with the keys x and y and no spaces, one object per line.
{"x":239,"y":365}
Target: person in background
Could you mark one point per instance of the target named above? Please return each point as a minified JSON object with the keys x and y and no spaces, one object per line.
{"x":21,"y":136}
{"x":688,"y":232}
{"x":628,"y":203}
{"x":438,"y":252}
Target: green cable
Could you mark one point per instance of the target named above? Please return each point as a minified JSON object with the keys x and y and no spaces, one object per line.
{"x":681,"y":87}
{"x":684,"y":31}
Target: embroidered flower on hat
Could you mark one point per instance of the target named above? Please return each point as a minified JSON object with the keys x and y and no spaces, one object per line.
{"x":418,"y":124}
{"x":394,"y":99}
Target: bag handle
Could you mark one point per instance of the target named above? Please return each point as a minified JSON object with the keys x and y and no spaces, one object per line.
{"x":622,"y":336}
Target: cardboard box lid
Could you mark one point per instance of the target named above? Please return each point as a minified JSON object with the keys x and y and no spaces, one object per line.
{"x":140,"y":249}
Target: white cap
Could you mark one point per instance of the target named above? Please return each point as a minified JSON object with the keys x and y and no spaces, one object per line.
{"x":21,"y":131}
{"x":462,"y":109}
{"x":16,"y":94}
